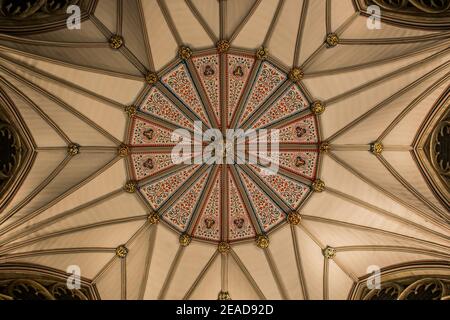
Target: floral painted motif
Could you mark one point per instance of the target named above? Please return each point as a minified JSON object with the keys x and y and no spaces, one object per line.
{"x":208,"y":71}
{"x":302,"y":163}
{"x":183,"y":209}
{"x":158,"y":105}
{"x":179,"y":81}
{"x":145,"y":133}
{"x":291,"y":102}
{"x":208,"y":223}
{"x":269,"y":215}
{"x":268,"y":80}
{"x":148,"y":164}
{"x":303,"y":130}
{"x":239,"y":224}
{"x":238,"y":72}
{"x":292,"y":192}
{"x":159,"y":191}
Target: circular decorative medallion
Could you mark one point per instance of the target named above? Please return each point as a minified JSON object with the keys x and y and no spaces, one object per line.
{"x":207,"y":181}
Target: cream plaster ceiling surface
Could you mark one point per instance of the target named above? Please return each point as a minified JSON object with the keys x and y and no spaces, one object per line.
{"x":69,"y":86}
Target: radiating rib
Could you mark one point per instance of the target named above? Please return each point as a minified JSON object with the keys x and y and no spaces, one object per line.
{"x":76,"y":88}
{"x":387,"y":101}
{"x":374,"y":230}
{"x":427,"y":252}
{"x":31,"y":196}
{"x":247,"y":275}
{"x":148,"y":49}
{"x":399,"y":40}
{"x":169,"y":21}
{"x":413,"y":104}
{"x":326,"y":266}
{"x":245,"y":20}
{"x":201,"y":20}
{"x":410,"y":188}
{"x":63,"y":105}
{"x":36,"y":108}
{"x":386,"y":77}
{"x":38,"y":211}
{"x":201,"y":275}
{"x":298,"y":260}
{"x":68,"y":231}
{"x":276,"y":274}
{"x":301,"y":28}
{"x":169,"y":277}
{"x":371,"y":183}
{"x":148,"y":261}
{"x":273,"y":23}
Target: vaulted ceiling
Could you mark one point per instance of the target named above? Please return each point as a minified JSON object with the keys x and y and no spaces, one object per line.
{"x":95,"y":108}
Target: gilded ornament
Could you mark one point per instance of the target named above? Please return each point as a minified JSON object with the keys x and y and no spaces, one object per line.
{"x":121,"y":251}
{"x":376,"y":148}
{"x":116,"y":42}
{"x":262,"y":53}
{"x":318,"y":107}
{"x":151,"y":78}
{"x":325,"y":147}
{"x":223,"y":46}
{"x":130,"y":187}
{"x":294,"y":218}
{"x":224,"y":247}
{"x":318,"y":186}
{"x":185,"y":53}
{"x":329,"y":252}
{"x":224,"y":295}
{"x":73,"y":149}
{"x":185,"y":240}
{"x":123,"y":151}
{"x":262,"y":241}
{"x":130,"y":110}
{"x":153,"y":218}
{"x":332,"y":40}
{"x":296,"y":74}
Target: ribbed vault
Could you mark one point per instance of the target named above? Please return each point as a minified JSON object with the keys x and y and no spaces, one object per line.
{"x":82,"y":93}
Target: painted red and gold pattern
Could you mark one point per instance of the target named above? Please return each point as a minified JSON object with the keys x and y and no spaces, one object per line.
{"x":291,"y":102}
{"x":291,"y":191}
{"x":240,"y":226}
{"x":145,"y":133}
{"x":239,"y":68}
{"x":208,"y":71}
{"x":148,"y":164}
{"x":180,"y":83}
{"x":268,"y":80}
{"x":267,"y":212}
{"x":208,"y":225}
{"x":158,"y":105}
{"x":181,"y":212}
{"x":303,"y":131}
{"x":159,"y":191}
